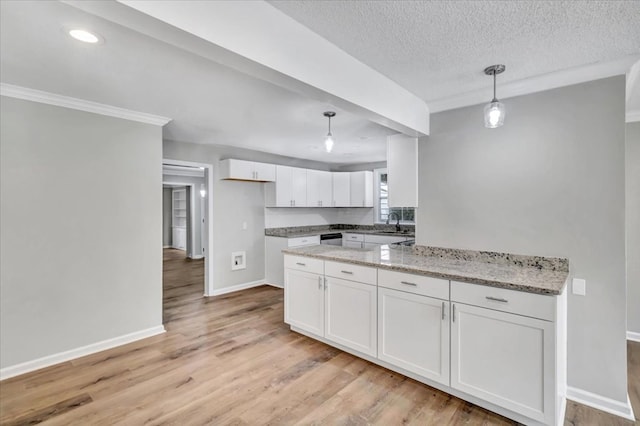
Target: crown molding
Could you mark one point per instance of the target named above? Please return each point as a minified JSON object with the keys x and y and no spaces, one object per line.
{"x":632,"y":116}
{"x":25,"y":93}
{"x":540,"y":83}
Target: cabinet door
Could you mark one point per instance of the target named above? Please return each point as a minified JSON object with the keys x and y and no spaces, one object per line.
{"x":283,"y":186}
{"x":350,"y":315}
{"x":240,"y":169}
{"x":352,"y":244}
{"x":413,"y":333}
{"x":361,"y":189}
{"x":318,"y":188}
{"x":341,"y":189}
{"x":304,"y":301}
{"x":299,"y":187}
{"x":264,"y":172}
{"x":503,"y":358}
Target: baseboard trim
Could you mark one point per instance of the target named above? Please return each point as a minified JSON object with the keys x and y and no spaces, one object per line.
{"x":196,"y":257}
{"x":49,"y":360}
{"x":237,"y":287}
{"x":602,"y":403}
{"x":274,"y":285}
{"x":633,"y":336}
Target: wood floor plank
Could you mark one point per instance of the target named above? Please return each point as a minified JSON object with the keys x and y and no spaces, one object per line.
{"x":231,"y":360}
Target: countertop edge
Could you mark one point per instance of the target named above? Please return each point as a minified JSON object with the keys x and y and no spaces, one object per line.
{"x":452,"y":277}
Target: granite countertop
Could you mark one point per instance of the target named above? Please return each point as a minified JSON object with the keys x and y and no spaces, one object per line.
{"x":308,"y":231}
{"x":515,"y":272}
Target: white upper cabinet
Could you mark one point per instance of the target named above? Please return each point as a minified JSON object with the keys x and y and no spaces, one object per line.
{"x":289,"y":188}
{"x":247,"y":170}
{"x":361,"y":188}
{"x":319,"y":186}
{"x":341,"y":182}
{"x":402,"y":171}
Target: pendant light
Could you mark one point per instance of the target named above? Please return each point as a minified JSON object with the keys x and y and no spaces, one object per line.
{"x":494,"y":111}
{"x":328,"y":141}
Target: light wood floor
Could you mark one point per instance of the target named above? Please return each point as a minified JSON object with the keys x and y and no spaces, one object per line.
{"x":232,"y":360}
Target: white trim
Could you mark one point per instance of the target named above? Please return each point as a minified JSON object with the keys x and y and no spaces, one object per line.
{"x":36,"y":364}
{"x":197,"y":257}
{"x":601,"y":403}
{"x":275,"y":285}
{"x":539,"y":83}
{"x":237,"y":287}
{"x":164,"y":247}
{"x":40,"y":96}
{"x":633,"y":336}
{"x":632,"y":116}
{"x":562,"y":411}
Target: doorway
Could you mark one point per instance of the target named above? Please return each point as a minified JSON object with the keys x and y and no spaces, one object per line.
{"x":187,"y":215}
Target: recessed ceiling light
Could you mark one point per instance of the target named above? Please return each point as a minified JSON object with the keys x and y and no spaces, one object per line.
{"x":84,"y":36}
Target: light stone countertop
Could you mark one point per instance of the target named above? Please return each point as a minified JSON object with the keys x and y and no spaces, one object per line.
{"x":294,"y":233}
{"x":532,"y":278}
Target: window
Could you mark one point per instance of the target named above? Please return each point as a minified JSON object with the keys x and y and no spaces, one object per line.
{"x":406,"y":214}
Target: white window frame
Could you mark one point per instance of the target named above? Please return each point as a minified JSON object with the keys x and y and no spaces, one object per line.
{"x":376,"y":199}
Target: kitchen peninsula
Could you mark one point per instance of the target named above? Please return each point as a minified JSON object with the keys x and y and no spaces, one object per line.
{"x":487,"y":327}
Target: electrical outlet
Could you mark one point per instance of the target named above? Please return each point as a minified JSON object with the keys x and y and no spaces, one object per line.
{"x":579,"y":287}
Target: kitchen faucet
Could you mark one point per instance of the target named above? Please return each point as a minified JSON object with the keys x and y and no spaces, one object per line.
{"x":397,"y":217}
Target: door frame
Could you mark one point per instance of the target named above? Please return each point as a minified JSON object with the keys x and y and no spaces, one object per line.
{"x":208,"y":256}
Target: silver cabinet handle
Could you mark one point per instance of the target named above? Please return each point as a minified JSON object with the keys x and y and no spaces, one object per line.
{"x":319,"y":283}
{"x":304,"y":241}
{"x":453,"y":313}
{"x":347,"y":272}
{"x":256,"y":175}
{"x":408,"y":283}
{"x":497,"y":299}
{"x":443,"y":311}
{"x":301,"y":264}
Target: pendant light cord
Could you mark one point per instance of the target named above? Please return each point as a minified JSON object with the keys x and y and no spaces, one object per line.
{"x":329,"y":125}
{"x":494,"y":86}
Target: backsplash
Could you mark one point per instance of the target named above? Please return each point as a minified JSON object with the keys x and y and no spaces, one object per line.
{"x":283,"y":231}
{"x":309,"y":216}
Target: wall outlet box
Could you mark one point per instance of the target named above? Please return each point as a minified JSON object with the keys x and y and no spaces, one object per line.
{"x":579,"y":287}
{"x":238,"y":260}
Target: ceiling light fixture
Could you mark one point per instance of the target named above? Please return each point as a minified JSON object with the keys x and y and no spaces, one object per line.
{"x":494,"y":111}
{"x":328,"y":141}
{"x":84,"y":36}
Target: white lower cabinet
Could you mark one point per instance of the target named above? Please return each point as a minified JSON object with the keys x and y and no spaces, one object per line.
{"x":304,"y":294}
{"x":413,"y":333}
{"x":350,"y":314}
{"x":502,"y":349}
{"x":505,"y":359}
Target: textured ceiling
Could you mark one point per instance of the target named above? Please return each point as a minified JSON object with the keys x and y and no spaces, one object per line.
{"x":438,"y":49}
{"x":208,"y":102}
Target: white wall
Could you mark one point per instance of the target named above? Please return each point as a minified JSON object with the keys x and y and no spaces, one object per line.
{"x":81,"y":220}
{"x":276,"y":217}
{"x":549,"y":182}
{"x":632,"y":158}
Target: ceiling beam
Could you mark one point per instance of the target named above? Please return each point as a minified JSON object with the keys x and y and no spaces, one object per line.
{"x":257,"y":39}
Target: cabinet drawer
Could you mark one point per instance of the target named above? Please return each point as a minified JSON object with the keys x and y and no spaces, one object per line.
{"x":411,"y":283}
{"x":384,"y":239}
{"x":500,"y":299}
{"x":303,"y":241}
{"x":301,"y":263}
{"x":353,"y":237}
{"x":347,"y":271}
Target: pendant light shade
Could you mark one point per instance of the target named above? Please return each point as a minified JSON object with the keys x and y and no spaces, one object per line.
{"x":494,"y":112}
{"x":328,"y":141}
